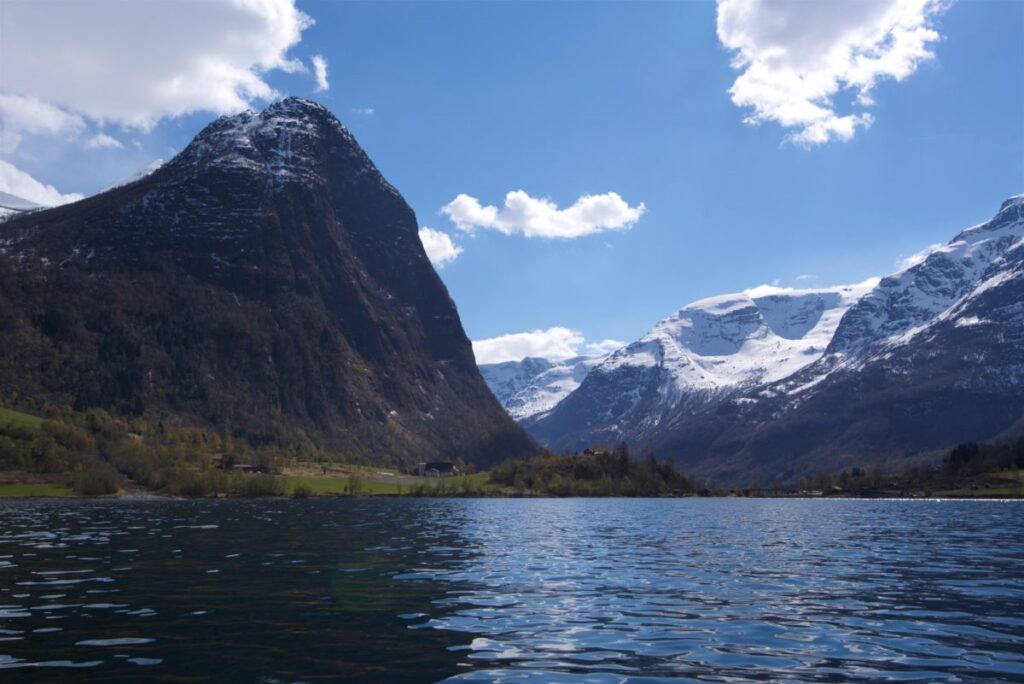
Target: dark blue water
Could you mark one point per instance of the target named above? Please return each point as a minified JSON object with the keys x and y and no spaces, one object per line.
{"x":380,"y":590}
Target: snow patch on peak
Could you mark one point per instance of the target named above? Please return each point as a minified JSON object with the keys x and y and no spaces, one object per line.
{"x":720,"y":305}
{"x":533,"y":386}
{"x":737,"y":339}
{"x":910,"y":300}
{"x":294,"y":105}
{"x":285,"y":143}
{"x":1012,"y":201}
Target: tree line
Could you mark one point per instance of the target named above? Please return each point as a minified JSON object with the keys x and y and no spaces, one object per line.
{"x":596,"y":472}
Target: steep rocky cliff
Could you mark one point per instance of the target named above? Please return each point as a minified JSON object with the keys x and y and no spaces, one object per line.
{"x":267,"y":280}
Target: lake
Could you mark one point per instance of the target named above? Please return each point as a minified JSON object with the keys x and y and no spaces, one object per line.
{"x":513,"y":590}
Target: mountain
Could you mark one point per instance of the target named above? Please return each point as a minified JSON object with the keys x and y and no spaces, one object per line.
{"x":932,"y":356}
{"x":11,"y":205}
{"x":267,"y":280}
{"x":535,"y":385}
{"x":692,"y":361}
{"x":926,"y":358}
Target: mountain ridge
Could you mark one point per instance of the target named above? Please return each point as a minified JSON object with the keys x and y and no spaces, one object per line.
{"x":896,"y":379}
{"x":692,"y":360}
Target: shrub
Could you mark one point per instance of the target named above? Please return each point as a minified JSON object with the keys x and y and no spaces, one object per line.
{"x":260,"y":485}
{"x":96,"y":480}
{"x":302,"y":491}
{"x":191,"y":483}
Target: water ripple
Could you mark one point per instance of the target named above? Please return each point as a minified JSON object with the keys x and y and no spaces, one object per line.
{"x":514,"y":590}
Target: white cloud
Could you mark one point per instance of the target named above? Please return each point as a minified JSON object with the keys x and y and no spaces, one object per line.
{"x":538,"y":217}
{"x":134,"y":63}
{"x":103,"y":141}
{"x":439,"y":247}
{"x":776,"y":289}
{"x":555,"y":343}
{"x":917,"y":258}
{"x":768,"y":290}
{"x":365,"y":111}
{"x":796,"y":56}
{"x":320,"y":73}
{"x":26,"y":115}
{"x":16,"y":182}
{"x":604,"y":347}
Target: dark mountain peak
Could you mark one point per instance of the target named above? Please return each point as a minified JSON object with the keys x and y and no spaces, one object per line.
{"x":292,"y":115}
{"x":293,"y":107}
{"x":293,"y":142}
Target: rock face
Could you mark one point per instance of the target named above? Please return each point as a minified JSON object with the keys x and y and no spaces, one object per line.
{"x":533,"y":386}
{"x":267,"y":279}
{"x":926,"y":358}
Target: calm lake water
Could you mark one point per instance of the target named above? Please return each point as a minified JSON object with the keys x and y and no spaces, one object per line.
{"x":576,"y":590}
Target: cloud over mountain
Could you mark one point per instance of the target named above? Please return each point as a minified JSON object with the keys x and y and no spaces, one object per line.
{"x":556,"y":343}
{"x":16,"y":182}
{"x":540,"y":217}
{"x":439,"y":246}
{"x":136,"y":63}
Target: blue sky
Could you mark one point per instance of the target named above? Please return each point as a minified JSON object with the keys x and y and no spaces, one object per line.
{"x":566,"y":99}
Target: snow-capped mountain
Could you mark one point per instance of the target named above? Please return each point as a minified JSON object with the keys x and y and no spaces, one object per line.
{"x":903,"y":307}
{"x":925,"y":358}
{"x":534,"y":385}
{"x":695,"y":359}
{"x":11,"y":205}
{"x":907,"y":302}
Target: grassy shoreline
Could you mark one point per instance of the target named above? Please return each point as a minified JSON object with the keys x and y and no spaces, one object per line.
{"x":94,"y":455}
{"x":473,"y":486}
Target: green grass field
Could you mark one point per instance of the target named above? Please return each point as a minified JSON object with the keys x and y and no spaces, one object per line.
{"x":18,"y":419}
{"x":1011,"y":487}
{"x":340,"y":485}
{"x":19,"y":491}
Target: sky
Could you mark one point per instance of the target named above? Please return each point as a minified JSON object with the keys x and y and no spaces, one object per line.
{"x":579,"y":170}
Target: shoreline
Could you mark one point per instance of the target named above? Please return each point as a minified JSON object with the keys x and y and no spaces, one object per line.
{"x":156,"y":496}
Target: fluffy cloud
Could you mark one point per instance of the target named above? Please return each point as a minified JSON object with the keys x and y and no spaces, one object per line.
{"x":554,"y":343}
{"x":134,"y":63}
{"x":16,"y":182}
{"x":767,"y":290}
{"x":533,"y":217}
{"x":103,"y":141}
{"x":320,"y":72}
{"x":439,"y":247}
{"x":26,"y":115}
{"x":796,"y":56}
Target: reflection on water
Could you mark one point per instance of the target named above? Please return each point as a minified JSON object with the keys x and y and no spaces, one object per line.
{"x":512,"y":590}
